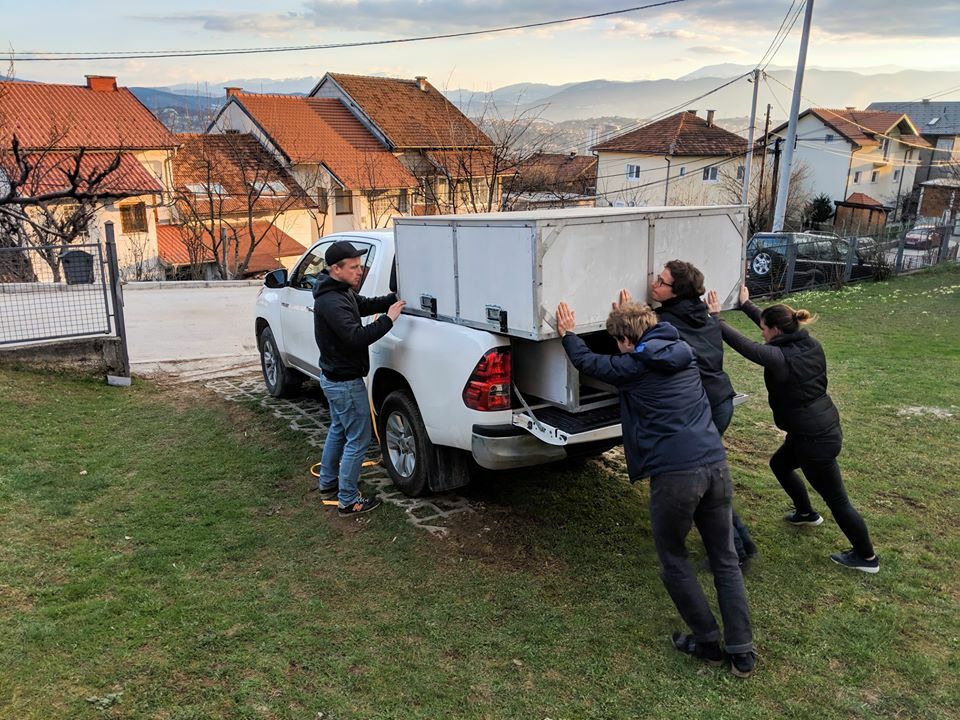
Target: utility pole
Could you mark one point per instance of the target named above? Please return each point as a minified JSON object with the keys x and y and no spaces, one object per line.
{"x":763,"y":159}
{"x":783,"y":189}
{"x":745,"y":193}
{"x":776,"y":175}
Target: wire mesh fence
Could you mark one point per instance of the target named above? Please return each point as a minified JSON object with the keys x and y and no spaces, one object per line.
{"x":53,"y":292}
{"x":784,"y":262}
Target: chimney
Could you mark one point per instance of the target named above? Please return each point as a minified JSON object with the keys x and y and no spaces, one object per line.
{"x":233,"y":91}
{"x":925,"y":100}
{"x":421,"y":82}
{"x":851,"y":107}
{"x":692,"y":112}
{"x":101,"y":83}
{"x":710,"y":118}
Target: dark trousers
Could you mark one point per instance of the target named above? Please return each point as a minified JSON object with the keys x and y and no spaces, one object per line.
{"x":744,"y":545}
{"x":817,"y":457}
{"x":701,"y":496}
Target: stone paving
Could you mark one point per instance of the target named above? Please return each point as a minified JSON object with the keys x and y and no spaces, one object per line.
{"x":309,"y":416}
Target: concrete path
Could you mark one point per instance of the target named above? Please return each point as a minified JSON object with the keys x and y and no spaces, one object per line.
{"x":191,"y":330}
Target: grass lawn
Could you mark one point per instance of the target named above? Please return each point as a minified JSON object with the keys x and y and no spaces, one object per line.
{"x":161,"y":556}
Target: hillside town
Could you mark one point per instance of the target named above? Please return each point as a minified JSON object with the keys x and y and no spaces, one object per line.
{"x":273,"y":173}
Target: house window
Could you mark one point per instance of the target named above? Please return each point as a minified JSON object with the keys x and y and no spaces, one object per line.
{"x":874,"y":176}
{"x":269,"y":187}
{"x":908,"y":157}
{"x":633,"y":172}
{"x":896,"y":175}
{"x":739,"y":172}
{"x":856,"y":177}
{"x":133,"y":218}
{"x":829,"y":137}
{"x":403,"y":203}
{"x":344,"y":203}
{"x":683,"y":171}
{"x":945,"y":143}
{"x":211,"y":189}
{"x":710,"y":174}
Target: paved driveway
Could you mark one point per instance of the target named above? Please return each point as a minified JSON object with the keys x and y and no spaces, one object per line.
{"x":191,"y":331}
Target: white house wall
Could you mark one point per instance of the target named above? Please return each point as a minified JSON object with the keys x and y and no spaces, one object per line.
{"x":652,"y":189}
{"x":826,"y":162}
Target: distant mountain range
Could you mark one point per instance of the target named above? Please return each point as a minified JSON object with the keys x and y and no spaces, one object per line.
{"x":597,"y":98}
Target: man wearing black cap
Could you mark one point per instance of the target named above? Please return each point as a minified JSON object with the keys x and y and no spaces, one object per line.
{"x":345,"y":361}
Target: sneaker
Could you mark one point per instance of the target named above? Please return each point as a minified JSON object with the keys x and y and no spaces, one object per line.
{"x":361,"y":506}
{"x":855,"y":561}
{"x":742,"y":664}
{"x":798,"y":518}
{"x":709,"y":652}
{"x":329,"y":493}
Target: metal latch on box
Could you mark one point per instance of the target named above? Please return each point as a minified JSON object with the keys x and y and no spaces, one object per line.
{"x":429,"y":303}
{"x":497,"y":314}
{"x":546,"y":433}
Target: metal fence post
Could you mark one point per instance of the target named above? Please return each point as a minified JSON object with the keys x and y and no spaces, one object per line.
{"x":853,"y":244}
{"x":791,"y":266}
{"x":116,"y":296}
{"x":898,"y":263}
{"x":945,"y":232}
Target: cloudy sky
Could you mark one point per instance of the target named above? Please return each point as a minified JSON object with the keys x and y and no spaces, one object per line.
{"x":666,"y":42}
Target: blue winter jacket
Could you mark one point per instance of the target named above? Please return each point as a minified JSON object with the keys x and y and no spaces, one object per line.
{"x":667,"y":424}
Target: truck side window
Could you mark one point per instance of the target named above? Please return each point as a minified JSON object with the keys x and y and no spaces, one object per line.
{"x":305,"y":276}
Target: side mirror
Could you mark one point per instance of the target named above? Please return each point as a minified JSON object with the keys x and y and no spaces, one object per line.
{"x":276,"y":279}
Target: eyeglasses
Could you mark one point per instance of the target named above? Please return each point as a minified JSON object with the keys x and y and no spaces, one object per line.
{"x":658,"y":281}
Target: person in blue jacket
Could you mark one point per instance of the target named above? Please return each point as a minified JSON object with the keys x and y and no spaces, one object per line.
{"x":669,"y":436}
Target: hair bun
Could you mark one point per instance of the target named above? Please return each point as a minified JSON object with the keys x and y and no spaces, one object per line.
{"x":801,"y":315}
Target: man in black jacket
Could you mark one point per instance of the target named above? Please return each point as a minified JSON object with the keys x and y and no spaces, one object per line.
{"x":345,"y":361}
{"x":669,"y":436}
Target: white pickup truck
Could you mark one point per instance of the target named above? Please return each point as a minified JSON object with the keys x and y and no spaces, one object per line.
{"x":445,"y":391}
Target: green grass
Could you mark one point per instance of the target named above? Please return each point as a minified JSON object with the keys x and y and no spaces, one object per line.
{"x":161,"y":557}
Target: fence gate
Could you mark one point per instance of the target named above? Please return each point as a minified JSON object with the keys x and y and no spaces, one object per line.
{"x":52,"y":292}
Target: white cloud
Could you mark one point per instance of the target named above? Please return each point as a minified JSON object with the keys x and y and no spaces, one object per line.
{"x":716,"y":50}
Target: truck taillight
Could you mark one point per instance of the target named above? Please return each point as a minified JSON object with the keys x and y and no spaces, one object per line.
{"x":489,"y":386}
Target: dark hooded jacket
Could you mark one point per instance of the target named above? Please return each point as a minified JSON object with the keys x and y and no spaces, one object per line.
{"x":702,"y":332}
{"x":666,"y":419}
{"x":342,"y":339}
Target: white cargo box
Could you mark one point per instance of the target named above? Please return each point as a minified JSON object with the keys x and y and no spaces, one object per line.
{"x":507,"y":272}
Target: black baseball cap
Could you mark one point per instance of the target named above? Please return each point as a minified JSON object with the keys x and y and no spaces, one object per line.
{"x":341,"y":250}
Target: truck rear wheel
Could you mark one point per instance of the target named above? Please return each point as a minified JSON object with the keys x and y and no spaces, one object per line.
{"x":407,"y":452}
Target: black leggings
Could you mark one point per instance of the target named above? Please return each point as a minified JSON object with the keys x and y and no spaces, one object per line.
{"x":817,"y":457}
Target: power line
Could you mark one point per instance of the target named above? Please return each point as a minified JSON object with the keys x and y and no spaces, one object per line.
{"x":793,"y":22}
{"x":39,"y":56}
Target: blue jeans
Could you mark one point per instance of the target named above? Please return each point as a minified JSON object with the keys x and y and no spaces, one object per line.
{"x":348,"y":438}
{"x":701,"y":496}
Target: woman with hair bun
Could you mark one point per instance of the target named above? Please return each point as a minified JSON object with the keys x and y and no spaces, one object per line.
{"x":795,"y":373}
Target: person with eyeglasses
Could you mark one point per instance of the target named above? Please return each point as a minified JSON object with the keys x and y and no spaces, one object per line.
{"x":678,"y":288}
{"x":795,"y":373}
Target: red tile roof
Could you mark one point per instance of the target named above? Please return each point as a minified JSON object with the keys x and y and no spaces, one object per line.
{"x":49,"y":172}
{"x":558,"y":169}
{"x":234,"y":161}
{"x":411,"y":118}
{"x":859,"y":198}
{"x":467,"y":162}
{"x":73,"y":116}
{"x":173,"y":240}
{"x":322,"y":130}
{"x":681,"y":134}
{"x":864,"y":128}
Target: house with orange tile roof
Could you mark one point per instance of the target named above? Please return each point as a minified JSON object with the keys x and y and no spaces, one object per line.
{"x":233,"y":199}
{"x":864,"y":160}
{"x":353,"y":181}
{"x":683,"y":159}
{"x":94,"y":124}
{"x":455,"y":162}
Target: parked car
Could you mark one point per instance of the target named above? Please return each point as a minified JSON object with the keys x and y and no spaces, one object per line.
{"x":923,"y":237}
{"x":820,"y":260}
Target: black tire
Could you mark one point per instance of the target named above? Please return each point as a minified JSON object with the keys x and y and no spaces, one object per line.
{"x":281,"y":381}
{"x":408,"y":454}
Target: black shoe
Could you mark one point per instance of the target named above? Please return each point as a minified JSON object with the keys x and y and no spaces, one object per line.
{"x":329,"y":493}
{"x":742,"y":664}
{"x":361,"y":506}
{"x":855,"y":561}
{"x":798,"y":518}
{"x":709,"y":652}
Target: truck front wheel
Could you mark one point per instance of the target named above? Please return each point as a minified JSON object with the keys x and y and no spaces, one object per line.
{"x":406,"y":449}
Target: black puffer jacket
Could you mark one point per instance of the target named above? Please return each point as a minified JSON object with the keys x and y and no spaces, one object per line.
{"x":342,"y":339}
{"x":701,"y":332}
{"x":666,"y":419}
{"x":795,"y":373}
